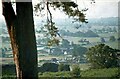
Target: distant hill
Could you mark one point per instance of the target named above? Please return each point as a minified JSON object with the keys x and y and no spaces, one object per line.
{"x":111,"y":21}
{"x":69,"y":24}
{"x":88,"y":33}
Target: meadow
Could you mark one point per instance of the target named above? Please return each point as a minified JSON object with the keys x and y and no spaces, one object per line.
{"x":109,"y":73}
{"x":92,"y":73}
{"x":95,"y":40}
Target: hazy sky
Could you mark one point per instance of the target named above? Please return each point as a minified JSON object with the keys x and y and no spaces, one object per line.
{"x":102,"y":8}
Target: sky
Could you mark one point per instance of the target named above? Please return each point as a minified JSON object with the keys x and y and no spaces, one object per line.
{"x":101,"y":9}
{"x":106,"y":8}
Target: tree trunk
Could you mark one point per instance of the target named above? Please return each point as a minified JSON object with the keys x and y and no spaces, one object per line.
{"x":22,"y":35}
{"x":26,"y":39}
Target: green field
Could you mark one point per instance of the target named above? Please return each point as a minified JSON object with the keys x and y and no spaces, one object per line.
{"x":111,"y":72}
{"x":108,"y":35}
{"x":76,"y":39}
{"x":95,"y":40}
{"x":113,"y":44}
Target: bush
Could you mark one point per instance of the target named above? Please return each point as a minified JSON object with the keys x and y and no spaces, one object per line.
{"x":8,"y":69}
{"x":109,"y":73}
{"x":76,"y":71}
{"x":102,"y":56}
{"x":103,"y":73}
{"x":102,"y":39}
{"x":60,"y":75}
{"x":48,"y":67}
{"x":112,"y":38}
{"x":63,"y":67}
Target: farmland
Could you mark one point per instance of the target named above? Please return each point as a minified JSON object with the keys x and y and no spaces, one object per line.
{"x":67,"y":57}
{"x":93,"y":41}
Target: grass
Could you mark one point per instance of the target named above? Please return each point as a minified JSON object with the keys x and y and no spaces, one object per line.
{"x":111,"y":72}
{"x":87,"y":73}
{"x":100,"y":72}
{"x":95,"y":40}
{"x":113,"y":44}
{"x":55,"y":74}
{"x":76,"y":39}
{"x":91,"y":39}
{"x":90,"y":73}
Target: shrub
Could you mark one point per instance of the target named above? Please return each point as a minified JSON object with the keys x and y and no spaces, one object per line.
{"x":76,"y":71}
{"x":63,"y":67}
{"x":8,"y":69}
{"x":102,"y":56}
{"x":48,"y":67}
{"x":112,"y":38}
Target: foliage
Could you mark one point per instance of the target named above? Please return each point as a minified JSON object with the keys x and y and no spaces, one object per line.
{"x":78,"y":50}
{"x":8,"y":70}
{"x":76,"y":71}
{"x":63,"y":67}
{"x":89,"y":33}
{"x":118,"y":39}
{"x":65,"y":43}
{"x":70,"y":8}
{"x":53,"y":41}
{"x":48,"y":67}
{"x":93,"y":73}
{"x":112,"y":38}
{"x":102,"y":39}
{"x":102,"y":56}
{"x":106,"y":72}
{"x":118,"y":71}
{"x":56,"y":74}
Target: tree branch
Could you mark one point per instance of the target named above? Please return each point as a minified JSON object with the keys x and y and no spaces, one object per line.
{"x":49,"y":11}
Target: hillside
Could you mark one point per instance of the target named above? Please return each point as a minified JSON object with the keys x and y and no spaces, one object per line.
{"x":88,"y":33}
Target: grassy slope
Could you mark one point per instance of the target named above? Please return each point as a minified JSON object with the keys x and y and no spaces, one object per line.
{"x":100,"y":72}
{"x":111,"y":72}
